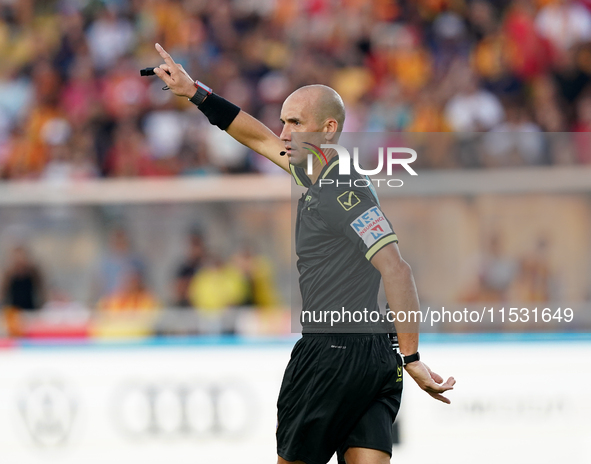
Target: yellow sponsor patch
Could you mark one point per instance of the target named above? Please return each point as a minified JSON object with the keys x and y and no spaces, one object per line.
{"x":348,"y":200}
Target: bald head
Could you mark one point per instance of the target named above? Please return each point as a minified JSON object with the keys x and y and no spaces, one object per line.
{"x":322,"y":102}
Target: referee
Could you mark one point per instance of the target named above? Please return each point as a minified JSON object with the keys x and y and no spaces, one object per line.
{"x":342,"y":386}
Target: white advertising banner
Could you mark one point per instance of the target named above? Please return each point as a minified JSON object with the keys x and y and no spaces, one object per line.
{"x":518,"y":402}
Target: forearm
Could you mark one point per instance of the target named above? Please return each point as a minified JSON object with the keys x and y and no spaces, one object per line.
{"x":258,"y":137}
{"x":402,"y":296}
{"x":403,"y":299}
{"x":244,"y":128}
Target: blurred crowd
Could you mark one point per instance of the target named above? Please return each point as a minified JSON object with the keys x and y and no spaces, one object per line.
{"x":73,"y":105}
{"x":202,"y":286}
{"x":498,"y":277}
{"x":208,"y":294}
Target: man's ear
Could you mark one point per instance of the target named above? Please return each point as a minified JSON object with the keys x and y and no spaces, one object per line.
{"x":330,"y":129}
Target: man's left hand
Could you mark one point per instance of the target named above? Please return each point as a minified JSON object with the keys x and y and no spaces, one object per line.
{"x":430,"y":381}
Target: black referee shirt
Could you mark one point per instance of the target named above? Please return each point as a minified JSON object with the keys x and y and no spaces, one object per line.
{"x":339,"y":228}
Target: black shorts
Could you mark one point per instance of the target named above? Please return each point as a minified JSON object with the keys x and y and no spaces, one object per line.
{"x":338,"y":391}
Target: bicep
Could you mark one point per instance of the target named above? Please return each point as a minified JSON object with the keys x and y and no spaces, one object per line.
{"x":388,"y":258}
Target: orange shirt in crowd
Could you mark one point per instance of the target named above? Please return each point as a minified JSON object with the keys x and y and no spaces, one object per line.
{"x":137,"y":301}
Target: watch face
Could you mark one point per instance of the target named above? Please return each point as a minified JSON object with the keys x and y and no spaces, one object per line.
{"x":201,"y":85}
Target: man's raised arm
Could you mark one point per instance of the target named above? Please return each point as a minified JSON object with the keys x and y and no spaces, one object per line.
{"x":240,"y":125}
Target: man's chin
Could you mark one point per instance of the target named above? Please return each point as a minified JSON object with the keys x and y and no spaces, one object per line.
{"x":296,"y":161}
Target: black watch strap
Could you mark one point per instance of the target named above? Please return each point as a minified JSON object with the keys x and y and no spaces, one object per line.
{"x":201,"y":94}
{"x":410,"y":358}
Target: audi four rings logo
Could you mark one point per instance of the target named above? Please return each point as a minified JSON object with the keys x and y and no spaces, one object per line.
{"x":197,"y":410}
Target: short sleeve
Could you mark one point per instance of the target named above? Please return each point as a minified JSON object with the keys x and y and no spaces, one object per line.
{"x":356,"y":214}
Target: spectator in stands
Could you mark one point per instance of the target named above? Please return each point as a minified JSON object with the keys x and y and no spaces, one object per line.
{"x":80,"y":97}
{"x":193,"y":160}
{"x":22,"y":284}
{"x":583,"y":128}
{"x":130,"y":156}
{"x":515,"y":141}
{"x":570,"y":79}
{"x":427,"y":116}
{"x":187,"y":269}
{"x":393,"y":62}
{"x":259,"y":277}
{"x":218,"y":286}
{"x":495,"y":275}
{"x":69,"y":155}
{"x":583,"y":119}
{"x":547,"y":105}
{"x":527,"y":52}
{"x":534,"y":283}
{"x":109,"y":36}
{"x":118,"y":263}
{"x":473,"y":109}
{"x":564,"y":23}
{"x":246,"y":280}
{"x":131,"y":296}
{"x":391,"y":112}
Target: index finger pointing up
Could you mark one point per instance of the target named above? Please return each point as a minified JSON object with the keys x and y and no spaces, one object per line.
{"x":165,"y":56}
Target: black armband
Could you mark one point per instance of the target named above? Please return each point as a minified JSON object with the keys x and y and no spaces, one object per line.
{"x":218,"y":110}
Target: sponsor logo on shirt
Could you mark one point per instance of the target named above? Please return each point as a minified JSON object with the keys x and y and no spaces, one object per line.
{"x":371,"y":226}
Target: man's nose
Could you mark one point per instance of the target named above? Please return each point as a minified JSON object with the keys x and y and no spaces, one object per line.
{"x":285,"y":134}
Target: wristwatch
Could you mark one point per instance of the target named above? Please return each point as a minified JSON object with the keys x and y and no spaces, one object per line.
{"x":410,"y":358}
{"x":202,"y":92}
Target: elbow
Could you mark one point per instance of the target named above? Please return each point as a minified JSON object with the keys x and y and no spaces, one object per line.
{"x":404,"y":270}
{"x":398,"y":269}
